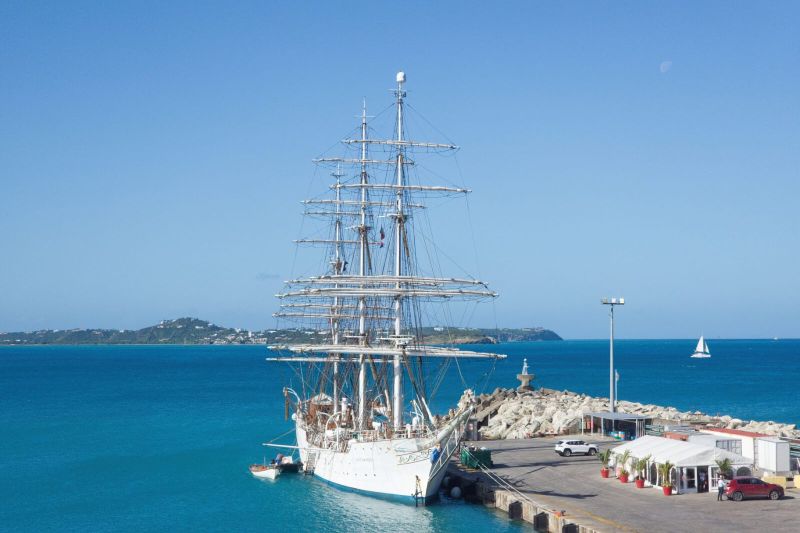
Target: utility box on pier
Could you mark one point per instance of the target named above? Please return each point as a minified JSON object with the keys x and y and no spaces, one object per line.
{"x":473,"y":457}
{"x":773,"y":455}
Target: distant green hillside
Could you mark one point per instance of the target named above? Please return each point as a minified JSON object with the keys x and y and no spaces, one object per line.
{"x":195,"y":331}
{"x":487,"y":336}
{"x":180,"y":331}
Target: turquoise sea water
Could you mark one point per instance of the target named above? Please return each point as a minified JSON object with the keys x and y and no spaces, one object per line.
{"x":107,"y":438}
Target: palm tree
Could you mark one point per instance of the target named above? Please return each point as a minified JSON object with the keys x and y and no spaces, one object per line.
{"x":622,"y":460}
{"x":725,"y":466}
{"x":605,"y":457}
{"x":664,"y":471}
{"x":641,"y":466}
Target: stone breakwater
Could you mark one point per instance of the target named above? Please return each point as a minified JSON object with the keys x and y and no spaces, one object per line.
{"x":513,"y":414}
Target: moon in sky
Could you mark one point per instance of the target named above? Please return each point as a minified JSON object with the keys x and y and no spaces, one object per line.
{"x":665,"y":66}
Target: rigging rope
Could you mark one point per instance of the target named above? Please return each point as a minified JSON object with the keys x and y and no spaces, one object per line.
{"x":497,"y":479}
{"x":280,"y":436}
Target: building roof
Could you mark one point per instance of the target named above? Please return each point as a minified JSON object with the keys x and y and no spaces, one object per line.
{"x":773,"y":439}
{"x":608,"y":415}
{"x":678,"y":452}
{"x":738,"y":432}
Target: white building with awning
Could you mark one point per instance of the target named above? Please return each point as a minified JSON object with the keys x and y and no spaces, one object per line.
{"x":694,"y":465}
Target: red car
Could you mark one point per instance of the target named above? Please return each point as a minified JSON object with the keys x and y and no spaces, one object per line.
{"x":751,"y":487}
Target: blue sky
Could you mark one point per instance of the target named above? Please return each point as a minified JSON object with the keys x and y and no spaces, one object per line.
{"x":153,"y":154}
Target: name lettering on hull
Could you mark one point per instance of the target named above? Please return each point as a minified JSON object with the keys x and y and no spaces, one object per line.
{"x":412,"y":458}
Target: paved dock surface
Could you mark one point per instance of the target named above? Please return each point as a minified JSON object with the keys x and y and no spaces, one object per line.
{"x":574,"y":484}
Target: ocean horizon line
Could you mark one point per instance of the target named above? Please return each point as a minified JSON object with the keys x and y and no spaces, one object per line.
{"x":616,"y":340}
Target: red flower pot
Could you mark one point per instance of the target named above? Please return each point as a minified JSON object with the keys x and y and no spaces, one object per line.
{"x":667,"y":491}
{"x":623,"y":478}
{"x":639,"y":483}
{"x":604,"y":472}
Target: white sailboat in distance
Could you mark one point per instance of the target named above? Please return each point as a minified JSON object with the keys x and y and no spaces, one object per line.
{"x":701,"y":350}
{"x":364,"y":374}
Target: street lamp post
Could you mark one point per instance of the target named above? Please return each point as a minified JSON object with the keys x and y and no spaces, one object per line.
{"x":612,"y":389}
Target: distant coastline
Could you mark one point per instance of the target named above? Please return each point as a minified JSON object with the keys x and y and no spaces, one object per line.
{"x":193,"y":331}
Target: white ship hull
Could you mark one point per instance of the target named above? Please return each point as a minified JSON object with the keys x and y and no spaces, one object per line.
{"x":700,"y":356}
{"x":398,"y":468}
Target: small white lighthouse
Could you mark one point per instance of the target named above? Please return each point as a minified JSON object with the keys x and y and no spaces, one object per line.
{"x":525,"y":378}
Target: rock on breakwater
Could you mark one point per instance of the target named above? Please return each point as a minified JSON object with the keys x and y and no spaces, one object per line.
{"x":512,"y":414}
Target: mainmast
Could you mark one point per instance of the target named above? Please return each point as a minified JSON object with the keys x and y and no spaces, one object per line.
{"x":363,"y":232}
{"x":397,"y":408}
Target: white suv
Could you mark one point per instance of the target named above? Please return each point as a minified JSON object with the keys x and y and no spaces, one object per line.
{"x":569,"y":447}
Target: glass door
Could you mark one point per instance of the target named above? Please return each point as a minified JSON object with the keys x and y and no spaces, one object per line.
{"x":689,"y":478}
{"x":702,"y":479}
{"x":714,"y":474}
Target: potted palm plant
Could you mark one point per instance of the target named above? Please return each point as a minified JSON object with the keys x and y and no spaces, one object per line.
{"x":622,"y":463}
{"x":725,"y":467}
{"x":664,"y":471}
{"x":641,"y":466}
{"x":605,"y":457}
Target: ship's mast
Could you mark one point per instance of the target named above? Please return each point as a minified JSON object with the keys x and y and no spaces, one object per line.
{"x":337,"y":270}
{"x":397,"y":367}
{"x":362,"y":252}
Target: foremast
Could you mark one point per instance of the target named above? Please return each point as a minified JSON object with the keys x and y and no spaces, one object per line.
{"x":338,"y":267}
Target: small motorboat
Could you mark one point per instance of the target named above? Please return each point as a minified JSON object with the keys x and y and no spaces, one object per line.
{"x":287,"y":464}
{"x":265,"y":471}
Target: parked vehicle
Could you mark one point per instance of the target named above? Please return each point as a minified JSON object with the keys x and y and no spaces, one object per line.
{"x":570,"y":447}
{"x":740,"y":488}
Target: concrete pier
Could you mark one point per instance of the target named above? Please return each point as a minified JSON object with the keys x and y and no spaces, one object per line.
{"x":555,"y":493}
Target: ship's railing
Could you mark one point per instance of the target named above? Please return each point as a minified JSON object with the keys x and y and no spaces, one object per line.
{"x":371,"y":435}
{"x":318,"y":438}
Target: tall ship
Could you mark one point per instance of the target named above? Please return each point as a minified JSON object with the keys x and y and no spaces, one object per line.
{"x":364,"y":371}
